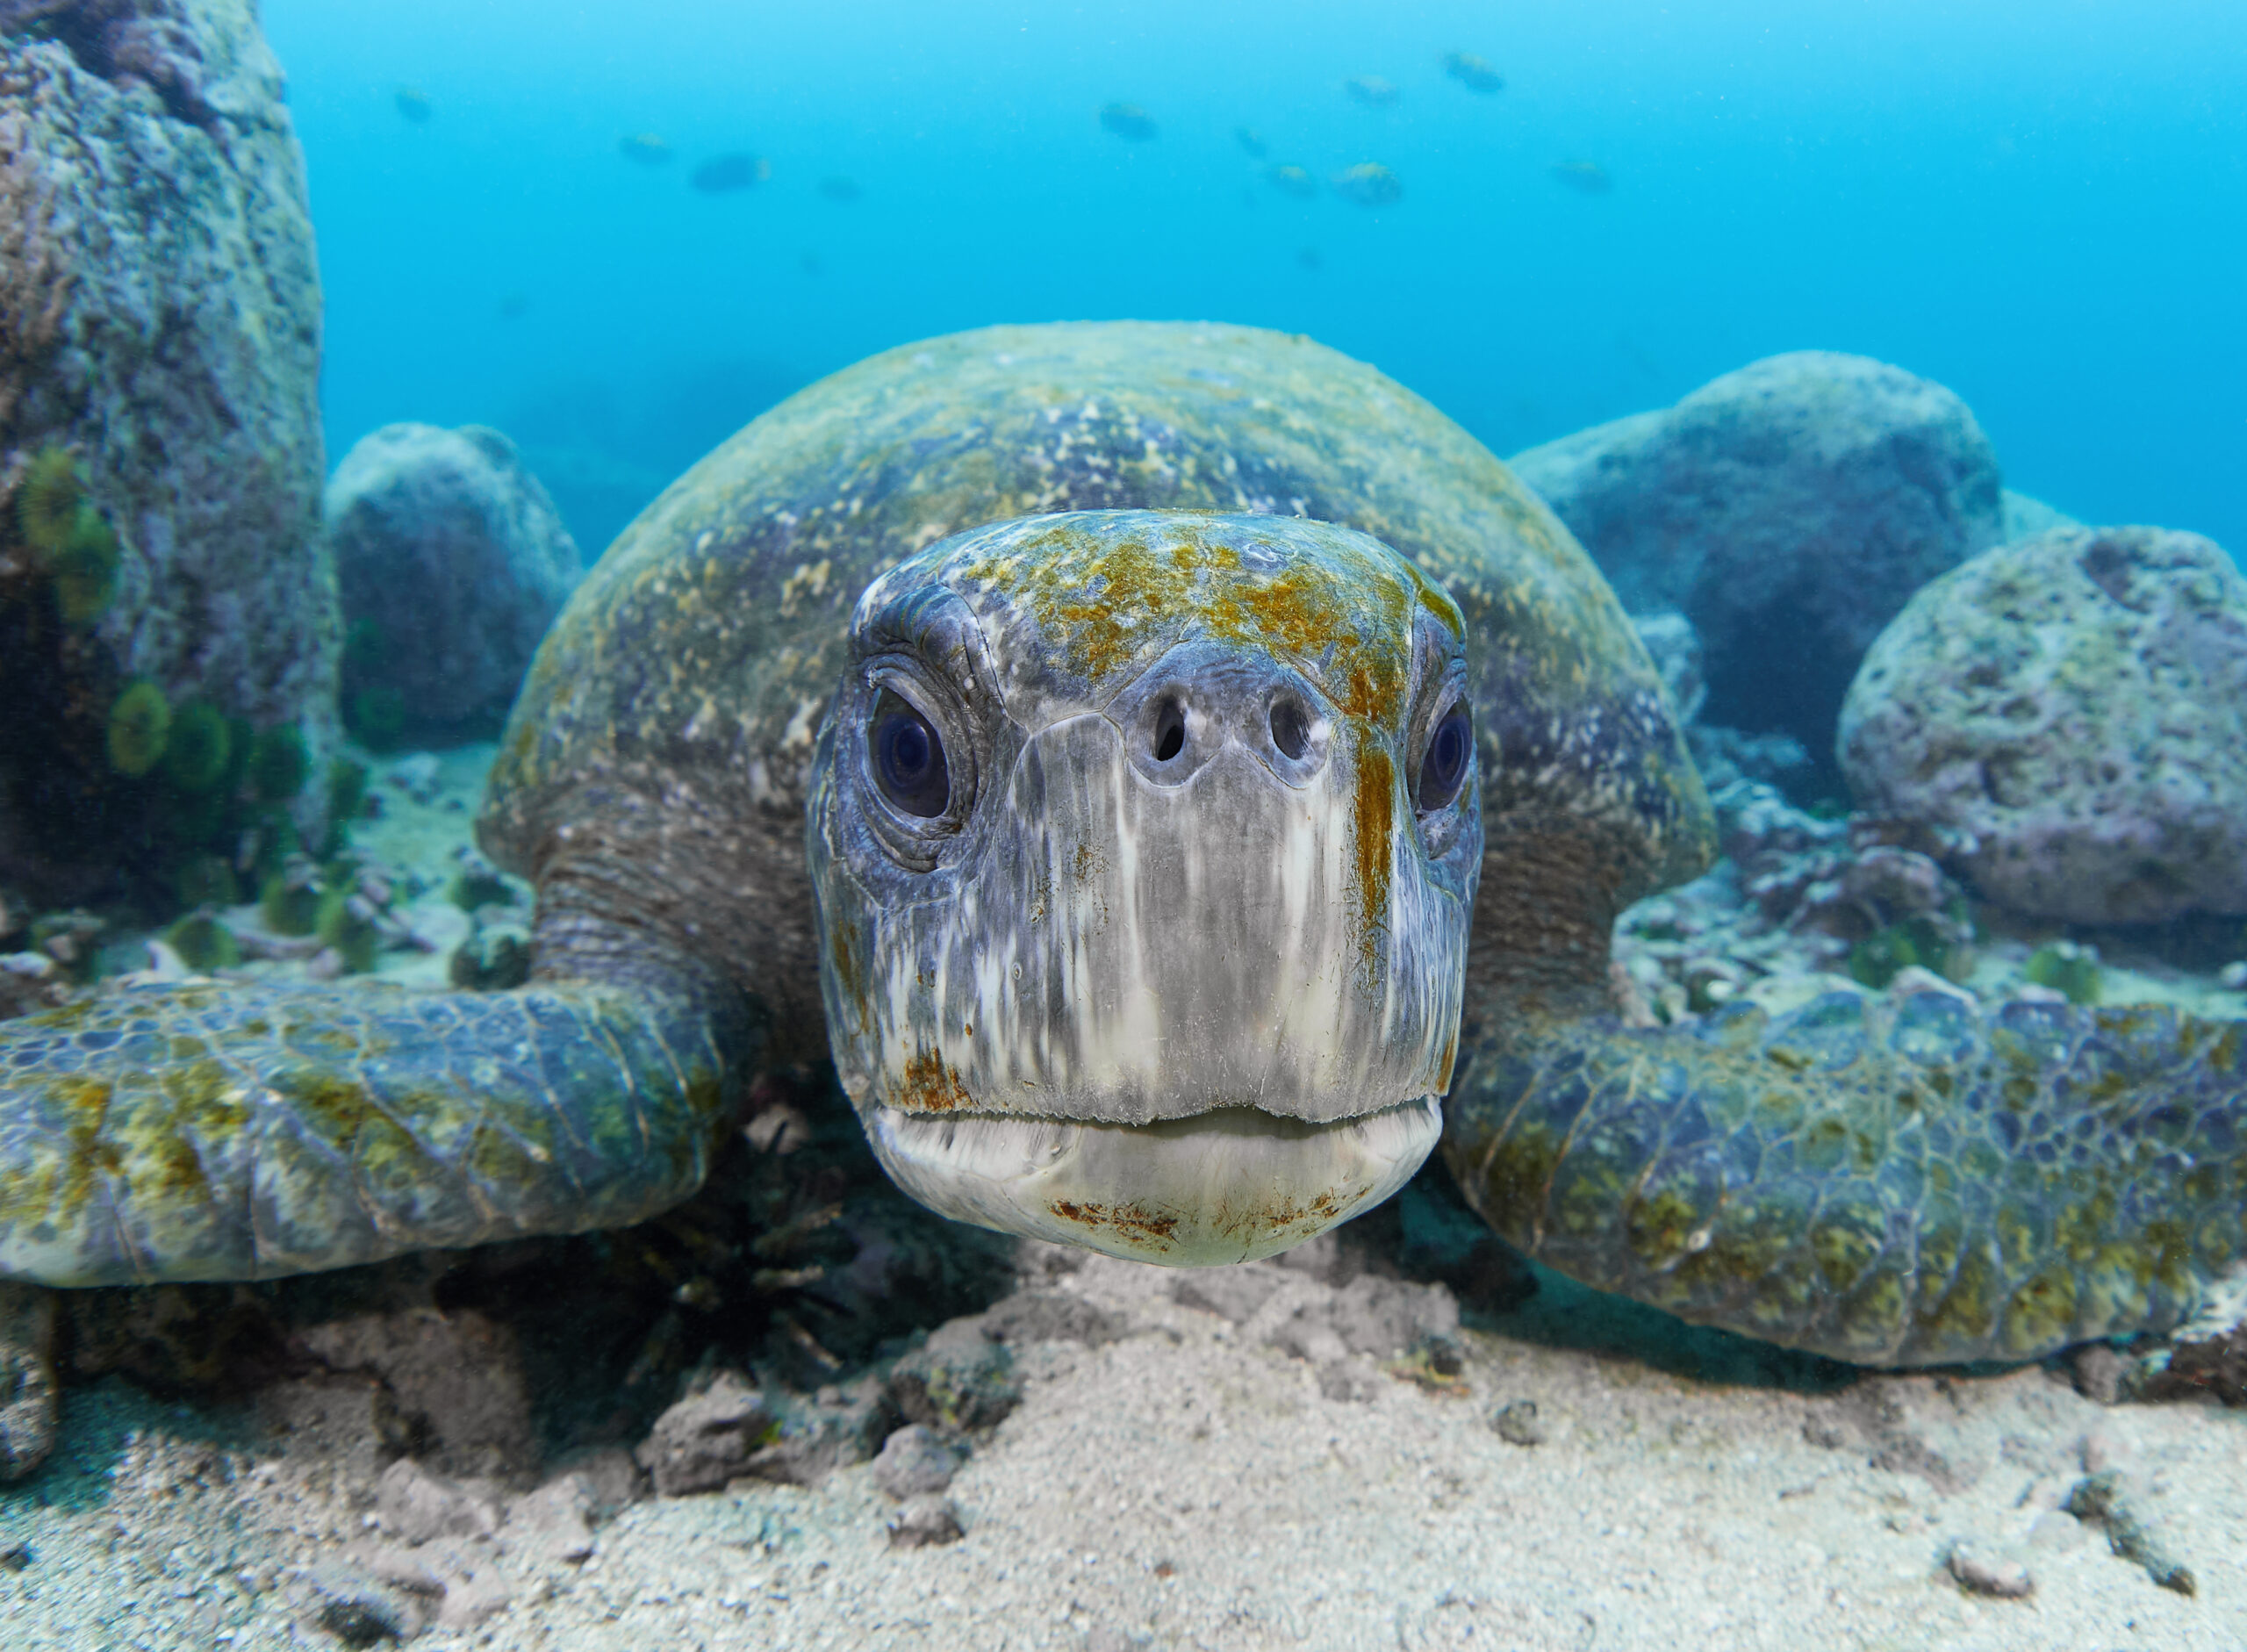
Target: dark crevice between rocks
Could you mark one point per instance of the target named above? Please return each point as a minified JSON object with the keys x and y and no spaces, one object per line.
{"x":1771,"y":674}
{"x":67,"y":822}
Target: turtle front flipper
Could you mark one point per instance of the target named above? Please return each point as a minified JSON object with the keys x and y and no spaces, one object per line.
{"x":210,"y":1132}
{"x":1911,"y":1183}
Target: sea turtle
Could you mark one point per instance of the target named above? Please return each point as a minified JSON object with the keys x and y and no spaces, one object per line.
{"x":1198,"y":687}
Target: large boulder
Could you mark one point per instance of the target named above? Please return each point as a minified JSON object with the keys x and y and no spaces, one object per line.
{"x":453,"y":562}
{"x":160,"y":438}
{"x":1788,"y":510}
{"x":2073,"y":708}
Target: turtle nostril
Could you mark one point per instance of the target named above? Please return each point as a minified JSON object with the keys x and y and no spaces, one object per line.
{"x":1290,"y":728}
{"x":1170,"y":731}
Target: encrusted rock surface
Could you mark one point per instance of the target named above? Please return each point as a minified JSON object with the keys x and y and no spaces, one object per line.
{"x":2074,"y":708}
{"x":160,"y":316}
{"x":452,"y":562}
{"x":1788,"y":510}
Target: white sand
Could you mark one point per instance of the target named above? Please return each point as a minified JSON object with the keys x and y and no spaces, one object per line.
{"x":1186,"y":1486}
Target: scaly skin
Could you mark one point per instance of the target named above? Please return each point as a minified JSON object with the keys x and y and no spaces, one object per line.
{"x":1899,"y":1185}
{"x":200,"y":1131}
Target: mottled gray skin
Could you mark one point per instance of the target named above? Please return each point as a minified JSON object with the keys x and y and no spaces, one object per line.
{"x":1260,"y":924}
{"x":452,"y":562}
{"x":1106,"y":923}
{"x":160,"y":316}
{"x":1923,"y":1184}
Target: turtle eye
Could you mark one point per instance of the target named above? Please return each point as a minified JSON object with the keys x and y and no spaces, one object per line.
{"x":908,"y":758}
{"x":1443,"y":765}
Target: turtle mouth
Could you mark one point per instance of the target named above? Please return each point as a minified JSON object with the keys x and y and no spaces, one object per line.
{"x":1225,"y":1186}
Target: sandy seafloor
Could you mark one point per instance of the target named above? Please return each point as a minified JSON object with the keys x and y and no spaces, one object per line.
{"x":1190,"y":1484}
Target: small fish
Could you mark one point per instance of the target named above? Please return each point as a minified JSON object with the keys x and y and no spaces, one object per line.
{"x":1128,"y":121}
{"x":515,"y":306}
{"x":1251,"y":139}
{"x":414,"y":103}
{"x":1477,"y":73}
{"x":1371,"y":90}
{"x":1308,"y":258}
{"x":1368,"y":184}
{"x":1290,"y":179}
{"x":647,"y":147}
{"x":729,"y":172}
{"x":1586,"y":178}
{"x":838,"y":187}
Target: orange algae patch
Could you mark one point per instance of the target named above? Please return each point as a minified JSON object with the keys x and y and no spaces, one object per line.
{"x":1373,"y":814}
{"x":1141,"y":1227}
{"x":1316,"y":610}
{"x":930,"y":1085}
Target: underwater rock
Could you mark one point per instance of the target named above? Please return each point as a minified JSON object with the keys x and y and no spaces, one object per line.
{"x":160,"y":325}
{"x":707,"y":1438}
{"x":29,"y":982}
{"x":415,"y":1505}
{"x":452,"y":561}
{"x":959,"y":1379}
{"x":455,"y":1381}
{"x":2073,"y":708}
{"x":30,"y":1398}
{"x":1788,"y":510}
{"x":2025,"y":518}
{"x":925,"y":1522}
{"x":916,"y":1461}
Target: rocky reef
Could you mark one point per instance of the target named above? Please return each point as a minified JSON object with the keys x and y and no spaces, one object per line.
{"x":1788,"y":510}
{"x":452,"y":562}
{"x":2072,"y":711}
{"x":160,"y":441}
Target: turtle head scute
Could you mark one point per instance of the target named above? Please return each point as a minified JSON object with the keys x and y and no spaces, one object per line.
{"x":1145,"y":846}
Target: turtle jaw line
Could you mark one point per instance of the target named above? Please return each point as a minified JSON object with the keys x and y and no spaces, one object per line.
{"x":1228,"y":1185}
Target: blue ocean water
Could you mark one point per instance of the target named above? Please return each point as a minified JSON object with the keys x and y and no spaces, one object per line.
{"x":2042,"y":206}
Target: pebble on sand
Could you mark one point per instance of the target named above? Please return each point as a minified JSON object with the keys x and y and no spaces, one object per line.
{"x":1981,"y":1573}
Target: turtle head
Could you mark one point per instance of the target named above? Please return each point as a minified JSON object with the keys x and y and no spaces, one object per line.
{"x":1144,"y":846}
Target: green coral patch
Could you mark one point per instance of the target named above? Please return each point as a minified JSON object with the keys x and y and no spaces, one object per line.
{"x":140,"y":727}
{"x":196,"y":755}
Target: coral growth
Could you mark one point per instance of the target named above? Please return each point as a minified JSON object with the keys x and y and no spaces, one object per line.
{"x":47,"y":500}
{"x":139,"y":726}
{"x":75,"y":545}
{"x":197,"y":754}
{"x":202,"y":943}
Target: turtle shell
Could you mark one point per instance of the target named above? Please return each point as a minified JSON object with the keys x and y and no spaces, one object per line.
{"x":656,"y":765}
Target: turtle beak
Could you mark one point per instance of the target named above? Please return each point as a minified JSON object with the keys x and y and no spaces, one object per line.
{"x":1225,"y":1186}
